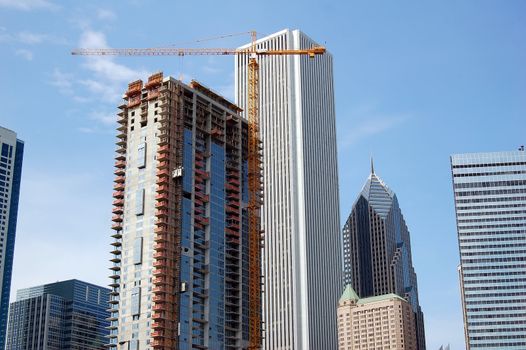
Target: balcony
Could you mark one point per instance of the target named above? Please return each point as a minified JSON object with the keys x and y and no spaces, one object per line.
{"x":164,"y":149}
{"x":160,"y":290}
{"x":161,"y":238}
{"x":117,"y":210}
{"x":116,"y":227}
{"x":160,"y":246}
{"x":120,"y":164}
{"x":160,"y":255}
{"x":230,"y":232}
{"x":163,"y":173}
{"x":118,"y":187}
{"x":118,"y":203}
{"x":161,"y":213}
{"x":160,"y":280}
{"x":119,"y":179}
{"x":160,"y":272}
{"x":161,"y":205}
{"x":163,"y":165}
{"x":118,"y":194}
{"x":163,"y":157}
{"x":232,"y":188}
{"x":119,"y":171}
{"x":161,"y":196}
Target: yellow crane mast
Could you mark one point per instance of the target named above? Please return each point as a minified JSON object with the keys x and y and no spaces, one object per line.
{"x":254,"y":149}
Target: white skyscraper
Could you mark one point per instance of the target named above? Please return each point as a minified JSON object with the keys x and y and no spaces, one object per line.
{"x":301,"y":262}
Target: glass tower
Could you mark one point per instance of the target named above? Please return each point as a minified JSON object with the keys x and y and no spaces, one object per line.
{"x":181,"y":249}
{"x":63,"y":315}
{"x":12,"y":151}
{"x":490,"y":203}
{"x":377,"y":249}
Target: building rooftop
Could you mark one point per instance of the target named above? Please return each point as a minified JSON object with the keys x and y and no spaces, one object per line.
{"x":379,"y":196}
{"x":349,"y":294}
{"x":380,"y":298}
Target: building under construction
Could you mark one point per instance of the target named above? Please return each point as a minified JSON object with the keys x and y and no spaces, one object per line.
{"x":181,"y":219}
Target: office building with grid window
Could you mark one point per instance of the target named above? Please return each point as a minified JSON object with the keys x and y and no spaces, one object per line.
{"x":377,"y":249}
{"x":12,"y":152}
{"x":63,"y":315}
{"x":490,"y":202}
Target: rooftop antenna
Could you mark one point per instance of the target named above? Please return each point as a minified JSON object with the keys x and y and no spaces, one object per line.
{"x":521,"y":148}
{"x":372,"y":165}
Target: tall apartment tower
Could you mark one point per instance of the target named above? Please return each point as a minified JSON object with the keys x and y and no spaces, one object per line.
{"x":181,"y":249}
{"x":490,"y":203}
{"x":12,"y":152}
{"x":300,"y":213}
{"x":377,"y":249}
{"x":63,"y":315}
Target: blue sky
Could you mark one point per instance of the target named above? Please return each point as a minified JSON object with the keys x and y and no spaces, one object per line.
{"x":414,"y":81}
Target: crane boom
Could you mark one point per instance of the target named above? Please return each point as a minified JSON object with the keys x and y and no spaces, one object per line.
{"x":254,"y":150}
{"x":173,"y":51}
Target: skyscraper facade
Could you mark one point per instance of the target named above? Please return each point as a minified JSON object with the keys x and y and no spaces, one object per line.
{"x":181,"y":249}
{"x":490,"y":203}
{"x":12,"y":152}
{"x":377,"y":249}
{"x":63,"y":315}
{"x":300,"y":213}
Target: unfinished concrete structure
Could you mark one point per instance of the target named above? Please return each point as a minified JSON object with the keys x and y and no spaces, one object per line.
{"x":181,"y":249}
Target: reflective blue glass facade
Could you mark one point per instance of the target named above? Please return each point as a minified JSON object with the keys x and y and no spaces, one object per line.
{"x":490,"y":203}
{"x":63,"y":315}
{"x":377,"y":249}
{"x":11,"y":156}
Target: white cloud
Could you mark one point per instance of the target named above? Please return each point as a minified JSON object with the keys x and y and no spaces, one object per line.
{"x":106,"y":118}
{"x":365,"y":121}
{"x":28,"y":5}
{"x":105,"y":14}
{"x":25,"y":54}
{"x":109,"y":78}
{"x":30,"y":38}
{"x":63,"y":81}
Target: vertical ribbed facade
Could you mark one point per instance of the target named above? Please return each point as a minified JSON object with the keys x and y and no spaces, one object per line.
{"x":490,"y":203}
{"x":181,"y":251}
{"x":12,"y":152}
{"x":300,"y":213}
{"x":377,"y":249}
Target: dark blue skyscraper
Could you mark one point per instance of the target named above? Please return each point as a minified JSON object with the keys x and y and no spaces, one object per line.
{"x":12,"y":151}
{"x":63,"y":315}
{"x":377,"y":249}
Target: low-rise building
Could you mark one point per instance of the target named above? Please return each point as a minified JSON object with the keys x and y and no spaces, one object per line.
{"x":379,"y":322}
{"x":63,"y":315}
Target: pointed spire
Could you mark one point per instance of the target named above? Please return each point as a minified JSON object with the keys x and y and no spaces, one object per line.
{"x":372,"y":165}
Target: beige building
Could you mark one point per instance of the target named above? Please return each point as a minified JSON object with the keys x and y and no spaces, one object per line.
{"x":379,"y":323}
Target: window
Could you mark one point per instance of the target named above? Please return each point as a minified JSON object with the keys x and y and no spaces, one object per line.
{"x":136,"y":301}
{"x":137,"y":251}
{"x":139,"y":204}
{"x":141,"y":159}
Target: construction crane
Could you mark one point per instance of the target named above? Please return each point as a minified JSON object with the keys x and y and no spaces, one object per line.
{"x":254,"y":158}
